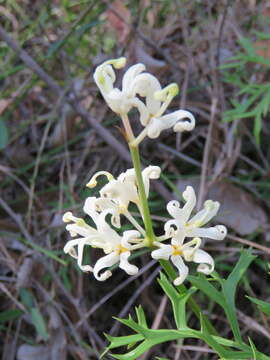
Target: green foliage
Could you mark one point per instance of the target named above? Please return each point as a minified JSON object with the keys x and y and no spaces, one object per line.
{"x":37,"y":318}
{"x":3,"y":134}
{"x":254,"y":98}
{"x":262,"y":305}
{"x":223,"y":294}
{"x":9,"y":315}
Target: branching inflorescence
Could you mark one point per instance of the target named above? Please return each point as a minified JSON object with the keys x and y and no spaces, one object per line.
{"x":132,"y":187}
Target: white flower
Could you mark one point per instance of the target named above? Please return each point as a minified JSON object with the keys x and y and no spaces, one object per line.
{"x":123,"y":190}
{"x":137,"y":82}
{"x":121,"y":101}
{"x":177,"y":251}
{"x":159,"y":122}
{"x":116,"y":248}
{"x":183,"y":227}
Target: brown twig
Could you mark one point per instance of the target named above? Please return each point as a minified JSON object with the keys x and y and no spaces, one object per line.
{"x":206,"y":153}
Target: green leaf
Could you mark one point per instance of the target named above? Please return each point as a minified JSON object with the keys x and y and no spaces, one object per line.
{"x":123,"y":340}
{"x":27,"y":298}
{"x":254,"y":351}
{"x":262,"y":305}
{"x":141,"y":316}
{"x":205,"y":286}
{"x":178,"y":301}
{"x":10,"y":315}
{"x":4,"y":136}
{"x":229,"y":289}
{"x":39,"y":323}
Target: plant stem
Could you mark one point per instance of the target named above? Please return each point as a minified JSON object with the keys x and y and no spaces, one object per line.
{"x":150,"y":236}
{"x":167,"y":267}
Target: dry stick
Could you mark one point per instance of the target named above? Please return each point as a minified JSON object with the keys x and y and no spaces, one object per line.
{"x":17,"y":219}
{"x":72,"y":100}
{"x":250,"y":243}
{"x":118,"y":288}
{"x":36,"y":169}
{"x":145,"y":39}
{"x":58,"y":308}
{"x":202,"y":190}
{"x":218,"y":49}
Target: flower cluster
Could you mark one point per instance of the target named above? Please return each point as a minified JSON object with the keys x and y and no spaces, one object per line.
{"x":114,"y":201}
{"x":137,"y":82}
{"x":142,"y":91}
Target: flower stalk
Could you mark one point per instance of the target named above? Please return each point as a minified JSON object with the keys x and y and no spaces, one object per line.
{"x":135,"y":155}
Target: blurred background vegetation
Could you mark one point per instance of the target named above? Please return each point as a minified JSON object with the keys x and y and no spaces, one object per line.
{"x":218,"y":51}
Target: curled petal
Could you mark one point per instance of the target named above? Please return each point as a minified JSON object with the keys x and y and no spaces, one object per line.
{"x":86,"y":268}
{"x":206,"y":262}
{"x":164,"y":251}
{"x":181,"y":267}
{"x":182,"y":214}
{"x":90,"y":207}
{"x":190,"y":248}
{"x":130,"y":76}
{"x":104,"y":77}
{"x":143,"y":110}
{"x":105,"y":231}
{"x":216,"y":233}
{"x":127,"y":176}
{"x":150,"y":172}
{"x":105,"y":262}
{"x":128,"y":236}
{"x":158,"y":124}
{"x":205,"y":215}
{"x":102,"y":204}
{"x":125,"y":265}
{"x":122,"y":192}
{"x":69,"y":248}
{"x":170,"y":228}
{"x":81,"y":229}
{"x":117,"y":101}
{"x":93,"y":181}
{"x":146,"y":85}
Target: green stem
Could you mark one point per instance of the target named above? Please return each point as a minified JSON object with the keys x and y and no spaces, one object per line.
{"x":167,"y":267}
{"x":150,"y":236}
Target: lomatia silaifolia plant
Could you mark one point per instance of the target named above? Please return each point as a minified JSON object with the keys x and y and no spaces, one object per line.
{"x":181,"y":241}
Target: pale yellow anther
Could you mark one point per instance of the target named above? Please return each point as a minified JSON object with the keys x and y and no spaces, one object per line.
{"x":121,"y":249}
{"x":170,"y":90}
{"x":117,"y":63}
{"x":122,"y":209}
{"x":92,"y":183}
{"x":67,"y":217}
{"x":81,"y":222}
{"x":177,"y":250}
